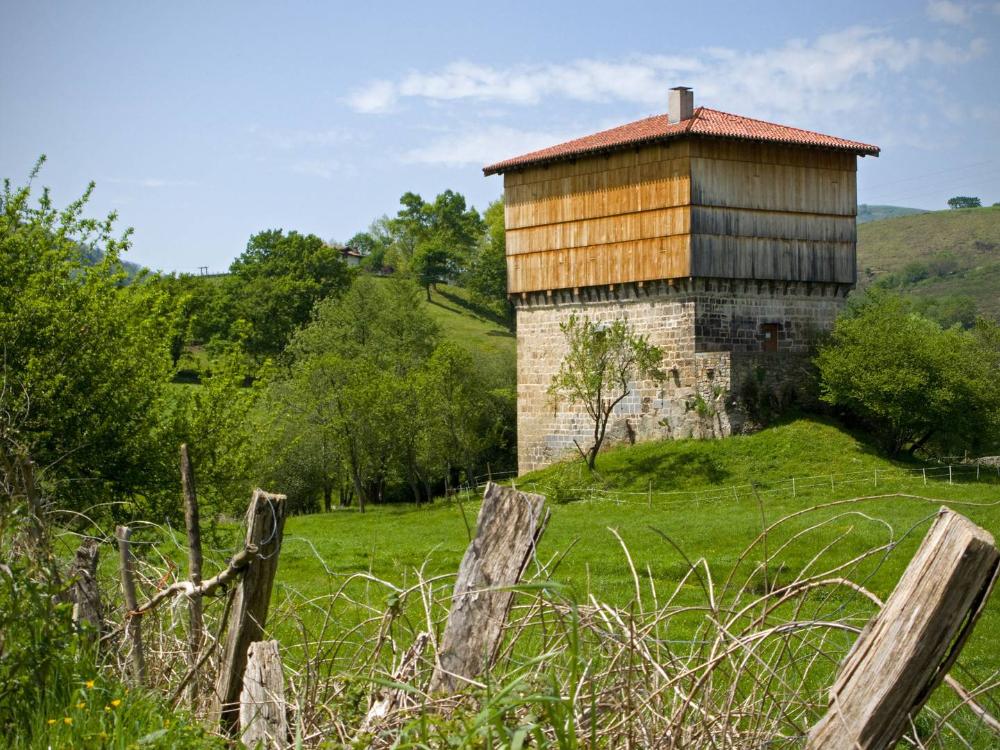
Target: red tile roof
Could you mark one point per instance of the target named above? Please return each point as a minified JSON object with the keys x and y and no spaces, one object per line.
{"x":704,"y":122}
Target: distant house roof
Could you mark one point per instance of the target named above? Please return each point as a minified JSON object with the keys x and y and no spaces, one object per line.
{"x":704,"y":122}
{"x":350,"y":252}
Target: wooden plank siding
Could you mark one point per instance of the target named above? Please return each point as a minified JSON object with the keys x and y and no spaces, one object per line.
{"x":766,"y":212}
{"x":700,"y":207}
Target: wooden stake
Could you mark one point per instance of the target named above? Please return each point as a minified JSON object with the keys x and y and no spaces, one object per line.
{"x":909,"y":646}
{"x":263,"y":722}
{"x":949,"y":473}
{"x":265,"y":524}
{"x":84,"y":594}
{"x":924,"y":471}
{"x":133,"y":630}
{"x":509,"y":526}
{"x":194,"y":566}
{"x":649,"y":496}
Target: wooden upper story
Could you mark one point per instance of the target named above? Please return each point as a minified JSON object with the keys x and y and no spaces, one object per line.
{"x":690,"y":205}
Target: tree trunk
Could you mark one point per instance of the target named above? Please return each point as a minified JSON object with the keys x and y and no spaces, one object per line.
{"x":327,"y":497}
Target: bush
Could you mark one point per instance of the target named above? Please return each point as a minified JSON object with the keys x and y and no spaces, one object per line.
{"x":912,"y":383}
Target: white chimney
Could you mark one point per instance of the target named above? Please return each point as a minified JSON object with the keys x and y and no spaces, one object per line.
{"x":681,"y":104}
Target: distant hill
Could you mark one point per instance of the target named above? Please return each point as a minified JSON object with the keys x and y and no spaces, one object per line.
{"x":93,"y":256}
{"x":868,"y":212}
{"x":939,"y":258}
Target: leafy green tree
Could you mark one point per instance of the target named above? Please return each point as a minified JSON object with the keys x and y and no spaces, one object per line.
{"x":598,"y":371}
{"x":912,"y":383}
{"x":964,"y":201}
{"x":446,"y":227}
{"x":455,"y":410}
{"x":487,"y":277}
{"x":216,"y":419}
{"x":348,"y":379}
{"x":431,"y":264}
{"x":84,"y":357}
{"x":276,"y":282}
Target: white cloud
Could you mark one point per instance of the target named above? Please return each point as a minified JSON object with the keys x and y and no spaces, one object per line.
{"x":481,"y":146}
{"x":826,"y":74}
{"x":150,"y":182}
{"x":945,"y":11}
{"x":377,"y":97}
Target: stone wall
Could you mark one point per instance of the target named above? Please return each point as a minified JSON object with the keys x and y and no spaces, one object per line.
{"x":710,"y":333}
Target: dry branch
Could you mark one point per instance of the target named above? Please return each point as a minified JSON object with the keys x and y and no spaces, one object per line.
{"x":193,"y":525}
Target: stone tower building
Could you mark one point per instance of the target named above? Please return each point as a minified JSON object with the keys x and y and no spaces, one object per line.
{"x":730,"y":242}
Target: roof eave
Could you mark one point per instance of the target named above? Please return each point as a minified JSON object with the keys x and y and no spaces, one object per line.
{"x":502,"y":167}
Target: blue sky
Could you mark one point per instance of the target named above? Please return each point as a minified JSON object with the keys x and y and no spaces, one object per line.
{"x":203,"y":123}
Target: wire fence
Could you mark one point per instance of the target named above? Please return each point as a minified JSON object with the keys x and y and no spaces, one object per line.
{"x":793,"y":487}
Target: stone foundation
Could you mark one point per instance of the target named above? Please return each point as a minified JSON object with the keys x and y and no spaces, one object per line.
{"x":712,"y":336}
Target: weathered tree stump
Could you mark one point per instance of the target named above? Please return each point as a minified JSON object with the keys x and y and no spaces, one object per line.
{"x":265,"y":526}
{"x":909,"y":646}
{"x":509,"y":526}
{"x":262,"y":702}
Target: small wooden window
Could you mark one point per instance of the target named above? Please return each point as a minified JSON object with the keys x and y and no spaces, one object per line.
{"x":770,"y":335}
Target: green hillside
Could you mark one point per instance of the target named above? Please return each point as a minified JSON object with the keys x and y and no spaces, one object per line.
{"x":868,"y":212}
{"x":935,"y":255}
{"x":711,"y":498}
{"x":470,"y":324}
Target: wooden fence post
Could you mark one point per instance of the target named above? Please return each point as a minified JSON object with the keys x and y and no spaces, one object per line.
{"x":265,"y":525}
{"x":193,"y":524}
{"x":84,"y":594}
{"x":132,"y":624}
{"x":262,"y":701}
{"x":909,"y":646}
{"x":509,"y":526}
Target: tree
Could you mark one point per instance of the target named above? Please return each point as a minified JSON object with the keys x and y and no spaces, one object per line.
{"x":277,"y":280}
{"x":910,"y":382}
{"x":431,"y":263}
{"x":84,"y":357}
{"x":964,"y":201}
{"x":487,"y":277}
{"x":348,"y":383}
{"x":597,"y":372}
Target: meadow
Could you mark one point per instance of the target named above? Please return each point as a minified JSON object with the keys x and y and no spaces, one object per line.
{"x":664,"y":527}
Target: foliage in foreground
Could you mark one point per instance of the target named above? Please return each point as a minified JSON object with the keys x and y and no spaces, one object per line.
{"x":83,"y":356}
{"x":737,"y":655}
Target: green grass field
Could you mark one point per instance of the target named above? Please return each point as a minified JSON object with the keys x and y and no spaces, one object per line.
{"x":701,"y":498}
